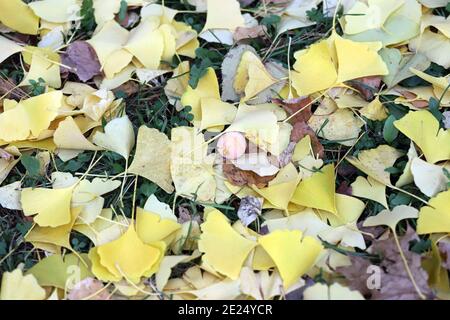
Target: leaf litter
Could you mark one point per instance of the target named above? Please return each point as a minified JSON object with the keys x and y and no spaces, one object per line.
{"x":224,"y":150}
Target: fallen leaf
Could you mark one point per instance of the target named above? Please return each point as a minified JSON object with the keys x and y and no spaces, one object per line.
{"x":391,"y":218}
{"x":118,"y":136}
{"x":240,"y":177}
{"x":298,"y":254}
{"x":423,"y":128}
{"x":373,"y":162}
{"x":16,"y":15}
{"x":51,"y":207}
{"x":16,"y":286}
{"x":127,"y":257}
{"x":317,"y":191}
{"x":435,"y":217}
{"x":429,"y":178}
{"x":82,"y":60}
{"x":224,"y":249}
{"x":320,"y":291}
{"x":249,"y":209}
{"x":57,"y":271}
{"x":154,"y":166}
{"x":10,"y":196}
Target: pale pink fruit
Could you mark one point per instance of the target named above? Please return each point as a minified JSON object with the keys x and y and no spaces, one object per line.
{"x":231,"y":145}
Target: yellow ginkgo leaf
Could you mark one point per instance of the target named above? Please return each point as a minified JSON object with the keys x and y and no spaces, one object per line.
{"x":167,"y":263}
{"x":362,"y":17}
{"x":216,"y":113}
{"x":251,"y":76}
{"x":16,"y":15}
{"x":302,"y":149}
{"x":318,"y":191}
{"x":315,"y":69}
{"x":56,"y":270}
{"x":44,"y":63}
{"x":176,"y":86}
{"x":118,"y":136}
{"x":56,"y":11}
{"x":52,"y":239}
{"x":439,"y":85}
{"x":407,"y":177}
{"x":281,"y":189}
{"x":146,"y":43}
{"x":191,"y":168}
{"x":336,"y":291}
{"x":96,"y":103}
{"x":349,"y":209}
{"x":370,"y":189}
{"x":374,"y":162}
{"x":293,"y":254}
{"x":152,"y":158}
{"x":109,"y":39}
{"x":358,"y":59}
{"x":169,"y":33}
{"x":30,"y":117}
{"x":162,"y":209}
{"x":69,"y":136}
{"x":429,"y":178}
{"x":423,"y":128}
{"x":433,"y":45}
{"x":104,"y":229}
{"x":224,"y":249}
{"x":387,"y":21}
{"x":127,"y":257}
{"x":333,"y":61}
{"x":87,"y":197}
{"x":435,"y":217}
{"x":51,"y":207}
{"x":223,"y":15}
{"x":16,"y":286}
{"x":374,"y":111}
{"x":207,"y":87}
{"x":341,"y":125}
{"x":305,"y":221}
{"x":8,"y":48}
{"x":150,"y":227}
{"x":295,"y":14}
{"x":391,"y":218}
{"x":117,"y":63}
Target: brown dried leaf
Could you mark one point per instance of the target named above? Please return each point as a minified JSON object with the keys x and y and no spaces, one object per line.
{"x":129,"y":88}
{"x":420,"y":104}
{"x":292,"y":106}
{"x":286,"y":156}
{"x":240,"y":177}
{"x":300,"y":130}
{"x":395,"y":282}
{"x":367,"y":86}
{"x":242,"y":33}
{"x":80,"y":56}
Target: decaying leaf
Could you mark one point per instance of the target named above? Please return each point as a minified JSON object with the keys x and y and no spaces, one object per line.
{"x":152,"y":158}
{"x":249,"y":209}
{"x":82,"y":60}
